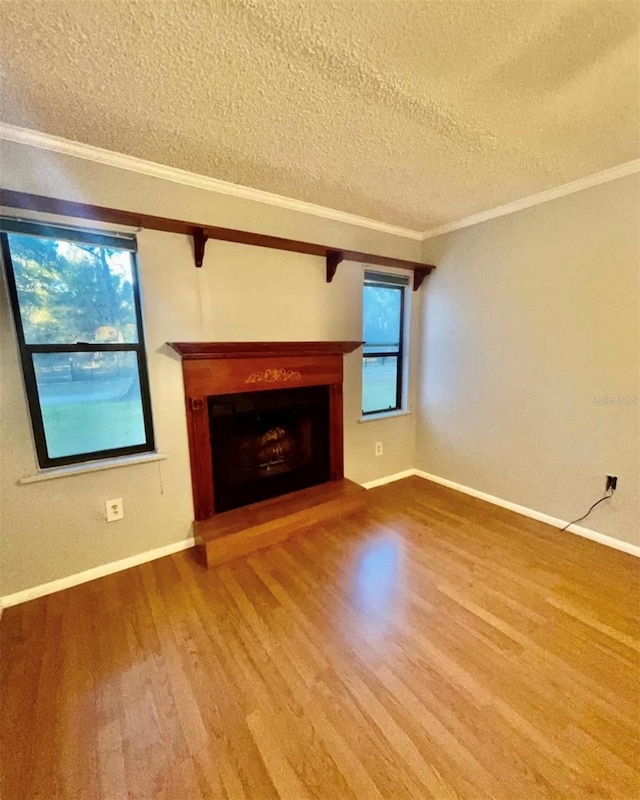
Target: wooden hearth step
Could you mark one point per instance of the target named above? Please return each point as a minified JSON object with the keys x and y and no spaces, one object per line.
{"x":245,"y":530}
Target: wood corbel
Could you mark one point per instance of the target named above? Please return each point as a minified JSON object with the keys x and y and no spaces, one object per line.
{"x":419,"y":274}
{"x":199,"y":242}
{"x":334,"y":257}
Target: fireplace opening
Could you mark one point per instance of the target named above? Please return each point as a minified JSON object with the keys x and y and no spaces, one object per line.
{"x":268,"y":443}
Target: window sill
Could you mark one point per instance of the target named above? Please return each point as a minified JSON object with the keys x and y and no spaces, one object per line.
{"x":385,"y":415}
{"x":92,"y":466}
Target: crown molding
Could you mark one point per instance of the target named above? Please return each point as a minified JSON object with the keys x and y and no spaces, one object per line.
{"x":98,"y":155}
{"x":56,"y":144}
{"x":612,"y":174}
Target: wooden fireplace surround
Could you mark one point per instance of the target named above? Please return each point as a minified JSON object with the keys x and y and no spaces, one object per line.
{"x":215,"y":368}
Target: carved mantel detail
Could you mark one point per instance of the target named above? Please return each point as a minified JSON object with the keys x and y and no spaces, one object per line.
{"x":274,"y":375}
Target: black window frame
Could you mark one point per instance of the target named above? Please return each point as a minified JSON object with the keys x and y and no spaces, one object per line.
{"x":399,"y":283}
{"x":27,"y":351}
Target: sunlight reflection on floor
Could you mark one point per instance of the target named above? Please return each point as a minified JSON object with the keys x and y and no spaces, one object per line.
{"x":377,"y":582}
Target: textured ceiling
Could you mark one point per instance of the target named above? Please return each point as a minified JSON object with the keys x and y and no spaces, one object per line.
{"x":413,"y":113}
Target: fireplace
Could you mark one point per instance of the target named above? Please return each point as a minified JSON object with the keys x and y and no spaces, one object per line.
{"x":264,"y":421}
{"x":263,"y":418}
{"x":268,"y":443}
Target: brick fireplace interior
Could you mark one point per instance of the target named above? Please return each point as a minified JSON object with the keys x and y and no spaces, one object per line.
{"x":268,"y":443}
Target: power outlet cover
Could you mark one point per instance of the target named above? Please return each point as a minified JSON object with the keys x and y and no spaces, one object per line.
{"x":115,"y":509}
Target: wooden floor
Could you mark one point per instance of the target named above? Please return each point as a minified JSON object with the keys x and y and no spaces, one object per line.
{"x":431,"y":647}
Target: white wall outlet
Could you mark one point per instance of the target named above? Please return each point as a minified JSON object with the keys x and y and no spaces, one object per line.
{"x":379,"y":449}
{"x":115,"y":509}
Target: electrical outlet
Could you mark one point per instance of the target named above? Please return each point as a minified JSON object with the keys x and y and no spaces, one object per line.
{"x":379,"y":450}
{"x":611,"y":483}
{"x":115,"y":509}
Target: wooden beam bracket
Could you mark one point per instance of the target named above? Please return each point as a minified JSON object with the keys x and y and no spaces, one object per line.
{"x":199,"y":242}
{"x":420,"y":272}
{"x":334,"y":257}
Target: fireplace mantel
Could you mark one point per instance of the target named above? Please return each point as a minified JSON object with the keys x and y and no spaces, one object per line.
{"x":193,"y":350}
{"x":222,"y":368}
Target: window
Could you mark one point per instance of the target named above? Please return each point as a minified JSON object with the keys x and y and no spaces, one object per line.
{"x":78,"y":320}
{"x":383,"y":333}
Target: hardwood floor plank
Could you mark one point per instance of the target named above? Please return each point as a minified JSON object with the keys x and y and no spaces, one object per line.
{"x":430,"y":646}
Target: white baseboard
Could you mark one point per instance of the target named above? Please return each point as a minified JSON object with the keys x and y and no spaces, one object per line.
{"x":160,"y":552}
{"x":587,"y":533}
{"x":406,"y":473}
{"x":92,"y":574}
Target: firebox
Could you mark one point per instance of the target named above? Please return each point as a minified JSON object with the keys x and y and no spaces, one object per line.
{"x":268,"y":443}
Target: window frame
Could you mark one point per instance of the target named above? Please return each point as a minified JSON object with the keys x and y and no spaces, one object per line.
{"x":399,"y":283}
{"x":27,"y":351}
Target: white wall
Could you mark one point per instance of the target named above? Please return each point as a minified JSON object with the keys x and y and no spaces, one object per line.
{"x":527,"y":318}
{"x":53,"y":529}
